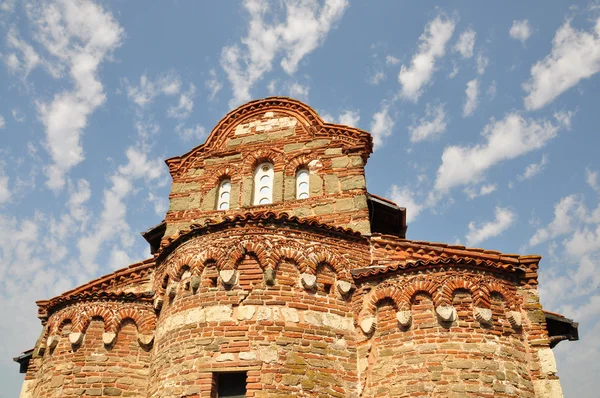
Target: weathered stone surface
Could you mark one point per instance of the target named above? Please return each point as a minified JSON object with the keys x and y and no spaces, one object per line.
{"x":245,"y":312}
{"x":344,"y":287}
{"x":76,"y":338}
{"x":309,"y":281}
{"x":547,"y":361}
{"x":108,"y":338}
{"x":446,"y":313}
{"x":228,"y":276}
{"x":483,"y":315}
{"x":514,"y":318}
{"x":404,"y":317}
{"x":368,"y":324}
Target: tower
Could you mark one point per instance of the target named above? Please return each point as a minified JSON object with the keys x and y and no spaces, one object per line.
{"x":275,"y":273}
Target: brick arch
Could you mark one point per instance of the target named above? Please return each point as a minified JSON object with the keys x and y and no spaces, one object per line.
{"x":281,"y":253}
{"x":318,"y":256}
{"x":255,"y":158}
{"x":94,"y":311}
{"x":489,"y":287}
{"x":211,"y":254}
{"x":71,"y":314}
{"x":143,"y":319}
{"x":444,"y":295}
{"x":238,"y":251}
{"x":413,"y":288}
{"x":382,"y":293}
{"x":220,"y":172}
{"x":297,"y":162}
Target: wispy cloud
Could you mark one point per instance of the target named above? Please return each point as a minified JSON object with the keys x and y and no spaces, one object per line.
{"x":504,"y":219}
{"x":306,"y":26}
{"x":418,"y":74}
{"x":575,"y":56}
{"x":472,"y":97}
{"x":520,"y":30}
{"x":431,"y":126}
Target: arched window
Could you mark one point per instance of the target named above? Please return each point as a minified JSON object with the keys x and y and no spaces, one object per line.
{"x":302,"y":185}
{"x":224,"y":194}
{"x":263,"y":184}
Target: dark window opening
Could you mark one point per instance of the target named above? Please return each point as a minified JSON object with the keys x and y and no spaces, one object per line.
{"x":327,"y":288}
{"x":213,"y":281}
{"x":231,"y":385}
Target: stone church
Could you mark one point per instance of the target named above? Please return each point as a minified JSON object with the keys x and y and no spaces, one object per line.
{"x":276,"y":274}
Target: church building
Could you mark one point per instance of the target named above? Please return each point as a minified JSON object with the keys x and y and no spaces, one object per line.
{"x":276,"y":274}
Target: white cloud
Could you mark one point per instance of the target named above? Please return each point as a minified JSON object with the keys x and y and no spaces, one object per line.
{"x":17,"y":115}
{"x":505,"y":139}
{"x":349,"y":118}
{"x":404,"y":197}
{"x":5,"y":193}
{"x":455,"y":70}
{"x":565,"y":214}
{"x":381,"y":126}
{"x":213,"y":85}
{"x":184,"y":107}
{"x":520,"y":30}
{"x":197,"y":132}
{"x":479,"y":233}
{"x":80,"y":36}
{"x":2,"y":122}
{"x":487,"y":189}
{"x":297,"y":90}
{"x":377,"y":78}
{"x":112,"y":225}
{"x":29,"y":59}
{"x":431,"y":126}
{"x":564,"y":118}
{"x":432,"y":47}
{"x":592,"y":179}
{"x":533,"y":169}
{"x":482,"y":63}
{"x":305,"y":28}
{"x":575,"y":56}
{"x":148,"y":90}
{"x":472,"y":99}
{"x":391,"y":60}
{"x":465,"y":43}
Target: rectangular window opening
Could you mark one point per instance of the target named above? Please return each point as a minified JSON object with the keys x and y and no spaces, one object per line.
{"x":231,"y":384}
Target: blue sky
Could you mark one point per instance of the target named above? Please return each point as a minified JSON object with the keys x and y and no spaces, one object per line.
{"x":484,"y":117}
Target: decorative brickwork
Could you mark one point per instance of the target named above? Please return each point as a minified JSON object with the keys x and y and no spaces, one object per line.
{"x":304,"y":297}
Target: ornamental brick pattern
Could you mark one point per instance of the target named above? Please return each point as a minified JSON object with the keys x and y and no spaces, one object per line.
{"x":307,"y":297}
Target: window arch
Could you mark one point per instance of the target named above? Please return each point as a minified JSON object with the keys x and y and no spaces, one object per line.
{"x":263,"y":184}
{"x":302,"y":184}
{"x":224,"y":194}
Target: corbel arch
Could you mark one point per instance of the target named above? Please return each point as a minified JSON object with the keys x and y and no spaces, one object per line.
{"x":412,"y":288}
{"x":255,"y":158}
{"x":243,"y":248}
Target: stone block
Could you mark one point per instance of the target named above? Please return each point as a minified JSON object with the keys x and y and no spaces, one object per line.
{"x":309,"y":281}
{"x":228,"y":276}
{"x":368,"y":324}
{"x":76,"y":338}
{"x":225,"y":357}
{"x":209,"y":201}
{"x":353,"y":182}
{"x":245,"y":312}
{"x":218,"y":313}
{"x":345,"y":204}
{"x":290,"y":314}
{"x":515,"y":319}
{"x":547,"y":361}
{"x":278,"y":187}
{"x":404,"y":318}
{"x":316,"y":185}
{"x":344,"y":287}
{"x":247,"y":356}
{"x":483,"y":315}
{"x":446,"y":313}
{"x":325,"y":208}
{"x":340,"y":163}
{"x":332,"y":183}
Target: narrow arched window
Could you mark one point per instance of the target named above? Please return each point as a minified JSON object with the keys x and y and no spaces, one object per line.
{"x":263,"y":184}
{"x":302,"y":184}
{"x":224,"y":194}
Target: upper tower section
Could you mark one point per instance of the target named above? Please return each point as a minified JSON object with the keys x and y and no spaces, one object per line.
{"x":273,"y":154}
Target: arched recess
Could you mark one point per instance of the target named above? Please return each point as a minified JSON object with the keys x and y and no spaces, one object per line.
{"x":71,"y":314}
{"x":280,"y":253}
{"x":243,"y":248}
{"x":445,"y":294}
{"x":253,"y":159}
{"x":94,"y":311}
{"x":144,"y":320}
{"x":492,"y":286}
{"x":386,"y":293}
{"x":218,"y":173}
{"x":413,"y":288}
{"x":318,"y":256}
{"x":300,"y":161}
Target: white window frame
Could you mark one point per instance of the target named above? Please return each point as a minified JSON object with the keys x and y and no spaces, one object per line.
{"x":302,"y":183}
{"x":224,"y":191}
{"x":264,"y":175}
